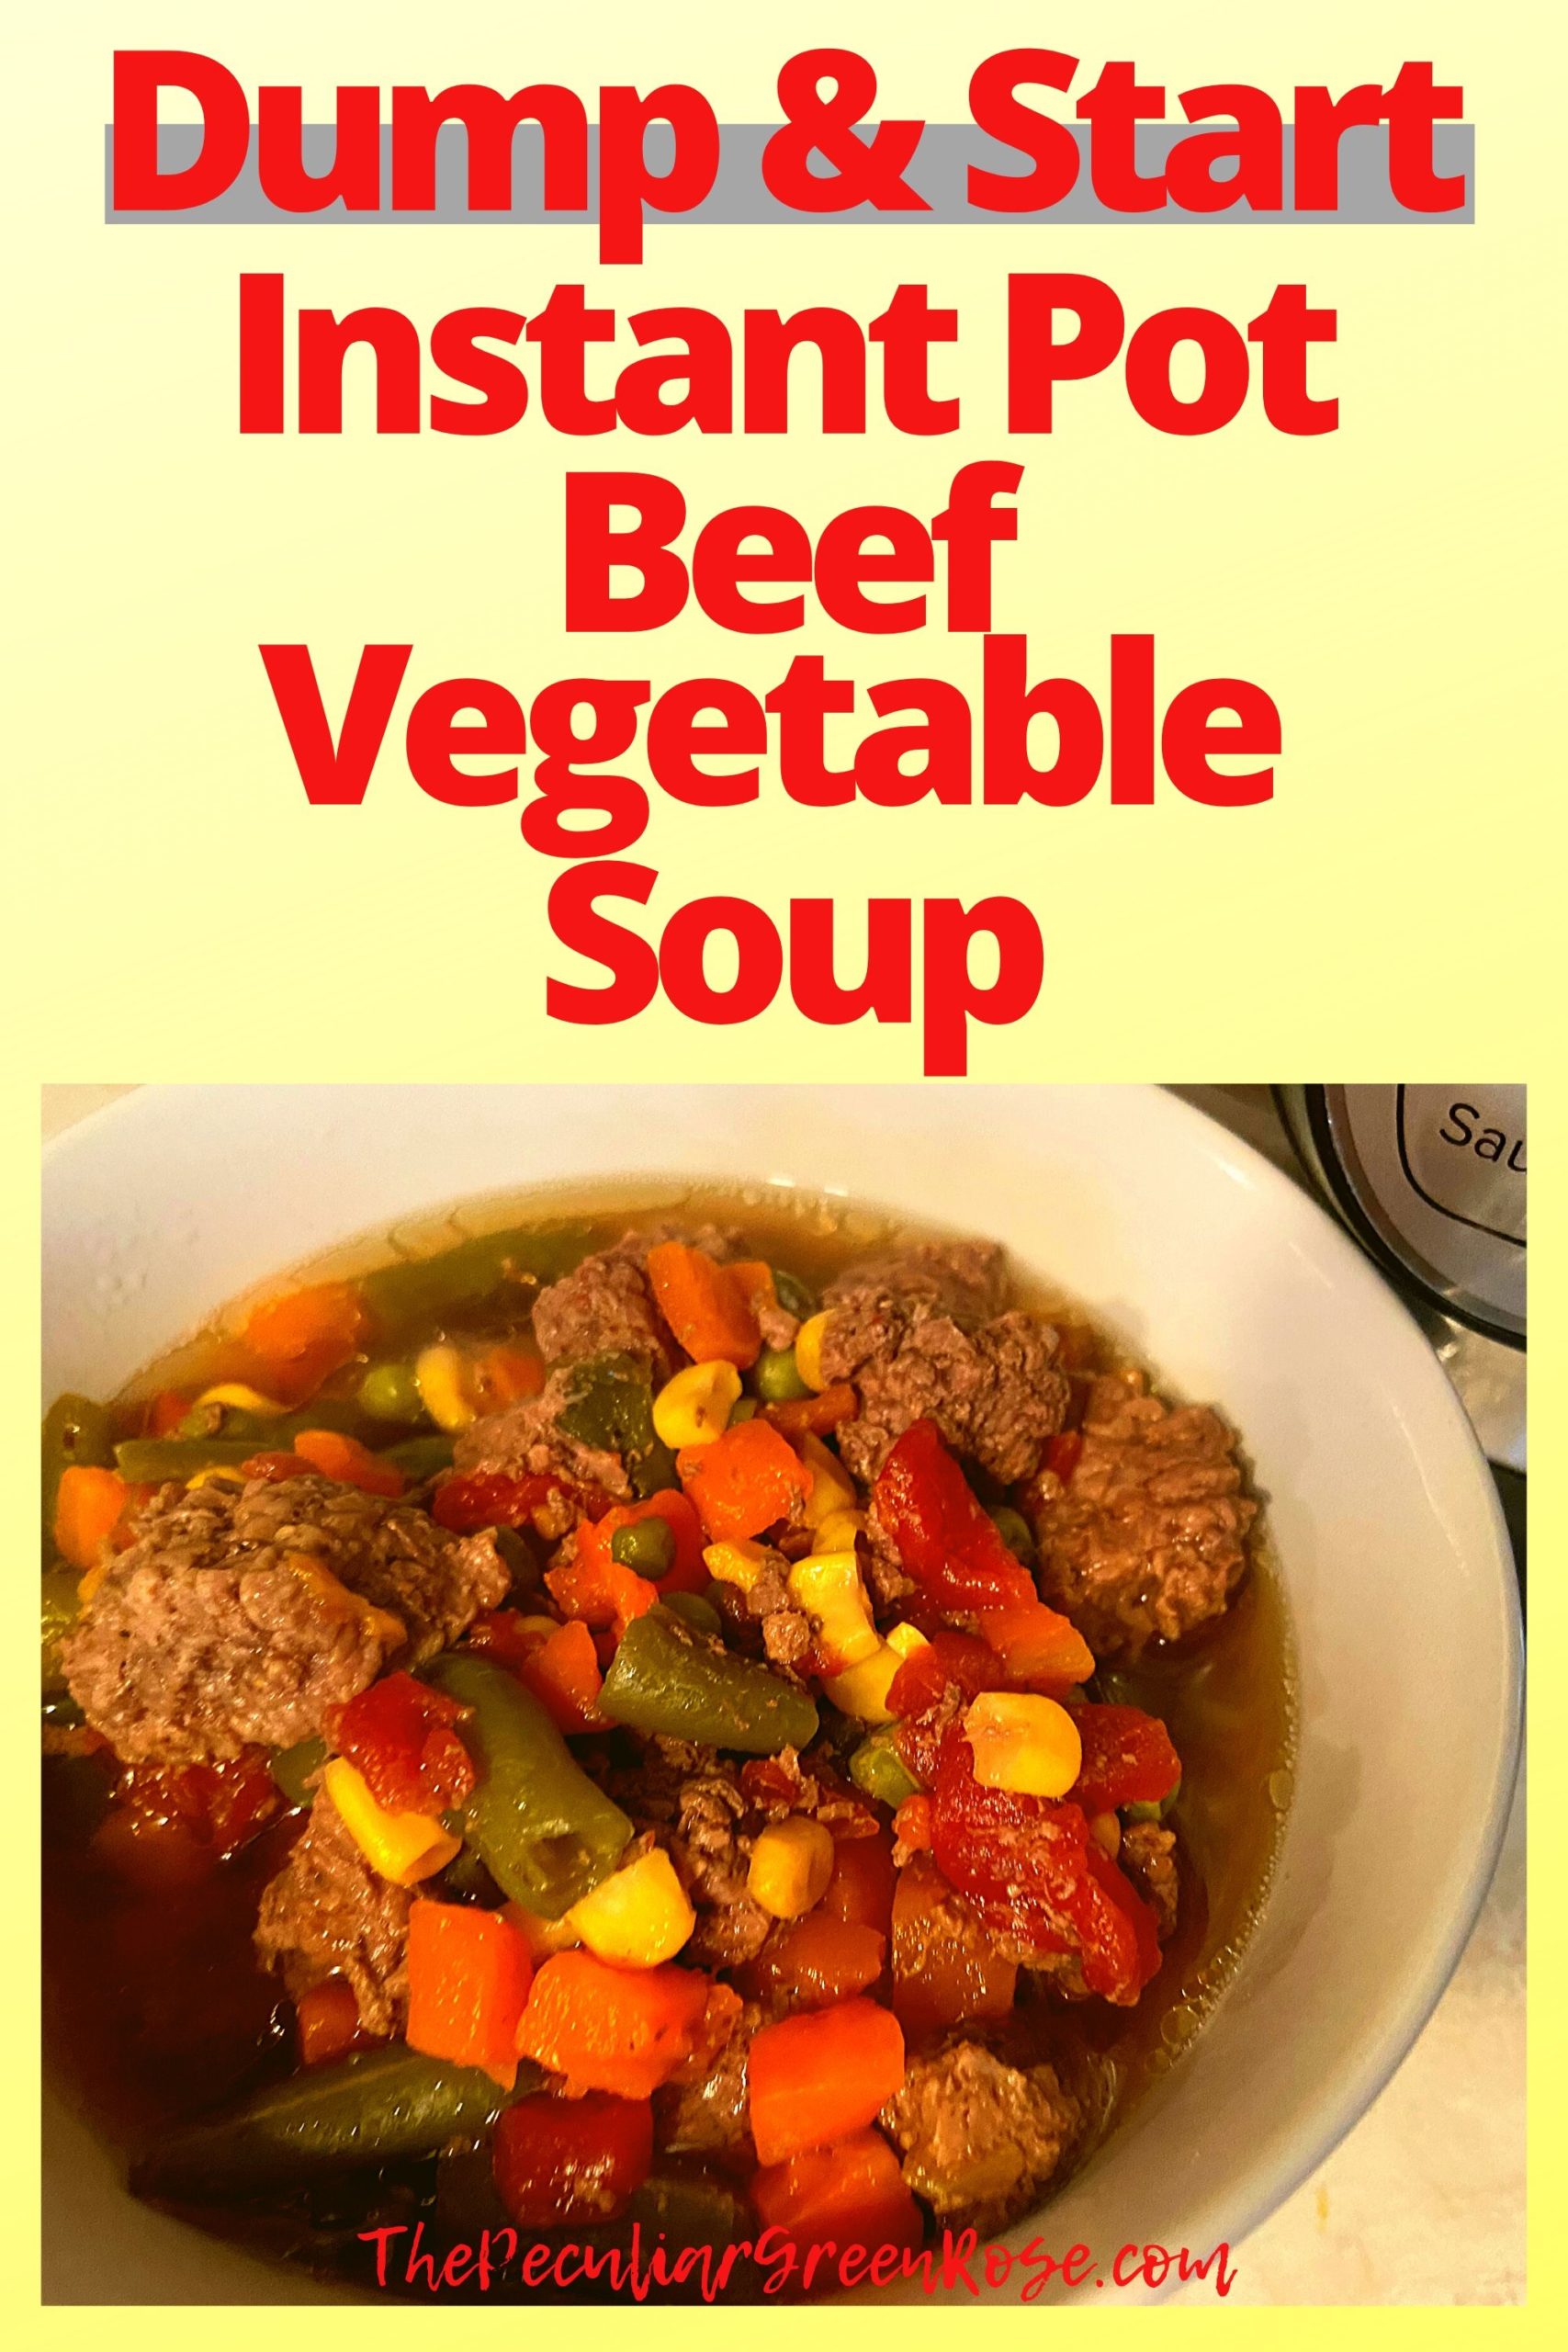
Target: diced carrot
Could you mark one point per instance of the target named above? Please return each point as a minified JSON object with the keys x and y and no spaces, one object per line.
{"x":816,"y":2078}
{"x":326,"y":2020}
{"x":946,"y":1969}
{"x":469,"y":1975}
{"x":815,"y":1961}
{"x":1042,"y":1649}
{"x":594,"y":1587}
{"x":703,"y":1304}
{"x":800,"y":1417}
{"x":166,"y":1411}
{"x":563,"y":1674}
{"x":350,"y":1464}
{"x":86,"y":1512}
{"x":861,"y":1889}
{"x":621,"y":2029}
{"x":273,"y":1468}
{"x":305,"y":1335}
{"x":744,"y":1480}
{"x":502,"y":1377}
{"x":852,"y":2194}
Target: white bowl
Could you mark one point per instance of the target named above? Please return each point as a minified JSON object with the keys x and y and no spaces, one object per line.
{"x":1400,"y":1578}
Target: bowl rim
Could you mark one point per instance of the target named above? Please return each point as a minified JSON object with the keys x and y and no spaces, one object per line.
{"x":1229,"y":2213}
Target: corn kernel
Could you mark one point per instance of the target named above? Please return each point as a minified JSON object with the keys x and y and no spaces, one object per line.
{"x":1023,"y":1743}
{"x":808,"y":1350}
{"x":837,"y":1533}
{"x":693,"y":1408}
{"x":832,"y":1489}
{"x":863,"y":1691}
{"x":827,"y":1585}
{"x":791,"y":1864}
{"x":907,"y":1640}
{"x":740,"y":1564}
{"x":544,"y":1938}
{"x":243,"y":1398}
{"x":439,"y":1376}
{"x":404,"y":1846}
{"x":1106,"y":1831}
{"x":637,"y":1917}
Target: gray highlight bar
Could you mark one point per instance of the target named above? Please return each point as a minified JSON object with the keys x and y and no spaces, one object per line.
{"x":739,"y":196}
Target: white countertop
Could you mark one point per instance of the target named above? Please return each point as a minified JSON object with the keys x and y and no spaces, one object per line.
{"x":1425,"y":2201}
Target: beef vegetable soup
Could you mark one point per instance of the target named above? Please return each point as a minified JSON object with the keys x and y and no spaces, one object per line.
{"x":728,"y":1718}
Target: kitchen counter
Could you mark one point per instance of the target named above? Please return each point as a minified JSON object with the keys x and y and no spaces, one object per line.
{"x":1424,"y":2202}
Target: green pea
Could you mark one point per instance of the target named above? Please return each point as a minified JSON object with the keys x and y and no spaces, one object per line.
{"x":389,"y":1392}
{"x":1146,"y":1809}
{"x":878,"y":1768}
{"x":647,"y":1547}
{"x":294,"y":1768}
{"x":778,"y":1376}
{"x":696,"y":1611}
{"x":1015,"y":1533}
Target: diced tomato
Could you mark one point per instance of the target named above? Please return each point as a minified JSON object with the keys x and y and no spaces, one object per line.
{"x":958,"y":1658}
{"x":326,"y":2021}
{"x":943,"y":1538}
{"x":852,"y":2194}
{"x":1062,"y":1452}
{"x":474,"y":1499}
{"x":861,"y":1889}
{"x":1042,"y":1649}
{"x":577,"y":2161}
{"x":399,"y":1734}
{"x":220,"y":1805}
{"x":159,"y":1857}
{"x":1034,"y":1874}
{"x":166,"y":1411}
{"x":744,"y":1481}
{"x":1128,"y":1759}
{"x":912,"y":1823}
{"x":815,"y":1961}
{"x":946,"y":1968}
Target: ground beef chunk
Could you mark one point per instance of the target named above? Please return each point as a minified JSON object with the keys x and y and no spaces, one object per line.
{"x":1148,"y":1538}
{"x":602,"y":1305}
{"x":980,"y":2139}
{"x":778,"y":1327}
{"x":996,"y":1392}
{"x":327,"y":1912}
{"x":1148,"y":1857}
{"x":967,"y":1279}
{"x":786,"y":1628}
{"x":711,"y":1856}
{"x":527,"y":1441}
{"x":242,"y":1615}
{"x":702,"y":2110}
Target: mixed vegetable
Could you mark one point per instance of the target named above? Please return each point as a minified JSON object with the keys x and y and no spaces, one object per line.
{"x":663,"y":1802}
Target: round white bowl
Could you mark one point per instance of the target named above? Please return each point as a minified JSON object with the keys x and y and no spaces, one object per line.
{"x":1399,"y":1575}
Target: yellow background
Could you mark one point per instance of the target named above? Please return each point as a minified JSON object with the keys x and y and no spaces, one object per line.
{"x":1395,"y":586}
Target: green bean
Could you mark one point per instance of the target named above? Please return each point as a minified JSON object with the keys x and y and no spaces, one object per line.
{"x":664,"y":1677}
{"x":150,"y":1460}
{"x":62,"y":1607}
{"x":610,"y":1404}
{"x":1151,"y":1809}
{"x":777,"y":1377}
{"x":793,"y":1296}
{"x":419,"y":1457}
{"x":292,"y":1768}
{"x":648,"y":1547}
{"x":697,"y":1611}
{"x":1015,"y":1532}
{"x":417,"y":1292}
{"x":76,"y":1432}
{"x":266,"y":1432}
{"x":389,"y":1392}
{"x":367,"y":2109}
{"x":544,"y":1831}
{"x":878,"y":1768}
